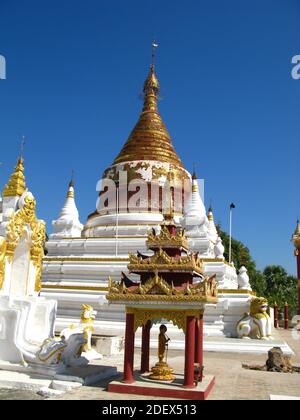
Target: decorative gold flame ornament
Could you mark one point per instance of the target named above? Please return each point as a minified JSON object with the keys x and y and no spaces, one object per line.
{"x":16,"y":185}
{"x":14,"y":232}
{"x":296,"y":238}
{"x":162,"y":371}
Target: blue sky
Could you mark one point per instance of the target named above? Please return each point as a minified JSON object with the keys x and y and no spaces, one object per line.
{"x":75,"y":71}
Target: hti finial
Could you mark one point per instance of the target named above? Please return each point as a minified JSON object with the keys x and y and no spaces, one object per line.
{"x":154,"y":45}
{"x":194,"y":176}
{"x":22,"y":147}
{"x":72,"y":179}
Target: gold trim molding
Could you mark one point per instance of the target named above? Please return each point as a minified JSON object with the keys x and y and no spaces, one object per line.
{"x":178,"y":317}
{"x":236,"y":291}
{"x":161,"y":261}
{"x":156,"y":289}
{"x":70,"y":287}
{"x":92,"y":259}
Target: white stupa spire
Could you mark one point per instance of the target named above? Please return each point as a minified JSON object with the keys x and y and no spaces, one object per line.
{"x":214,"y":237}
{"x":195,"y":214}
{"x":68,"y":224}
{"x":212,"y":230}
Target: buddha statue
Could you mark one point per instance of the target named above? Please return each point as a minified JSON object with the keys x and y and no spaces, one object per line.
{"x":161,"y":371}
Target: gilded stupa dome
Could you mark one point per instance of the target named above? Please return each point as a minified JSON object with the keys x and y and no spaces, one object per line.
{"x":148,"y":153}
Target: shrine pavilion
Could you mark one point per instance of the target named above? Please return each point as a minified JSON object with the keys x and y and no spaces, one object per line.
{"x":172,"y":288}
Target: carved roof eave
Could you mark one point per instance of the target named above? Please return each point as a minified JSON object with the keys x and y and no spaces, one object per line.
{"x":156,"y":289}
{"x":132,"y":298}
{"x":161,"y":261}
{"x":182,"y":245}
{"x":162,"y":268}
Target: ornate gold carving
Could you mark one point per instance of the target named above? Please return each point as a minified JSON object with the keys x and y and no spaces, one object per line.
{"x":296,"y":238}
{"x":16,"y":185}
{"x":166,"y":240}
{"x":162,"y":372}
{"x":14,"y":232}
{"x":177,"y":317}
{"x":3,"y":246}
{"x":236,"y":292}
{"x":161,"y":261}
{"x":157,"y":289}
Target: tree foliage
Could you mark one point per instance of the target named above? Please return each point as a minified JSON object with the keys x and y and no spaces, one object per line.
{"x":273,"y":282}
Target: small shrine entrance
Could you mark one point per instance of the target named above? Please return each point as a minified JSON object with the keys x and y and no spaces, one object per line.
{"x":190,"y":321}
{"x":172,"y":287}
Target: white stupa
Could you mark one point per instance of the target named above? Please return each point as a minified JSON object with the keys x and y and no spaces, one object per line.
{"x":68,"y":224}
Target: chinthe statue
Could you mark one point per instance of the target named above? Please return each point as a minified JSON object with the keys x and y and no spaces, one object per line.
{"x":257,"y":324}
{"x":161,"y":371}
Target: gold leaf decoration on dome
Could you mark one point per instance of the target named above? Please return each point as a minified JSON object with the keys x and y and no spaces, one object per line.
{"x":166,"y":240}
{"x":14,"y":232}
{"x":157,"y":289}
{"x":16,"y":185}
{"x":149,"y":140}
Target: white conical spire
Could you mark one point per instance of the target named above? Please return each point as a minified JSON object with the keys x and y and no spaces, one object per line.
{"x":68,"y":224}
{"x":195,"y":214}
{"x":212,"y":230}
{"x":214,"y":237}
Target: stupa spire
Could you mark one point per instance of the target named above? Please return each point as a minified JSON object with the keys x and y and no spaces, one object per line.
{"x":68,"y":224}
{"x":150,"y":140}
{"x":16,"y":185}
{"x":296,"y":236}
{"x":297,"y":230}
{"x":210,"y":214}
{"x":195,"y":213}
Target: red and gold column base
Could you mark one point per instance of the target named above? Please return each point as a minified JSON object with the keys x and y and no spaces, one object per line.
{"x":162,"y":372}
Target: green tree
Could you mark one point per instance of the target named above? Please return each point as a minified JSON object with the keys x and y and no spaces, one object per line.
{"x":240,"y":255}
{"x":280,"y":288}
{"x":274,"y":282}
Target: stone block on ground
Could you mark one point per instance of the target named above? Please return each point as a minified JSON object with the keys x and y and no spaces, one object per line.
{"x":110,"y":345}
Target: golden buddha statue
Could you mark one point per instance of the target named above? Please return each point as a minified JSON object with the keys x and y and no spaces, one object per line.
{"x":163,"y":341}
{"x":161,"y":371}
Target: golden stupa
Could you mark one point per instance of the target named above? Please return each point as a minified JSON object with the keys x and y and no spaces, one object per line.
{"x":149,"y":147}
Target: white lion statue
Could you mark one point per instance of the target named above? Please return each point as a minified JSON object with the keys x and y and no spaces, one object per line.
{"x":65,"y":352}
{"x":85,"y":327}
{"x":257,"y":324}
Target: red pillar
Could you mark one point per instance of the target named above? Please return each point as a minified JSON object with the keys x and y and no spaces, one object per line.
{"x":286,"y":316}
{"x":199,"y":346}
{"x":129,"y":349}
{"x":189,"y":352}
{"x":145,"y":347}
{"x":275,"y":315}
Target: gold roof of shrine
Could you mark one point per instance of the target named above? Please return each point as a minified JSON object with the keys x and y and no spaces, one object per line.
{"x":162,"y":262}
{"x":149,"y":140}
{"x":166,"y":240}
{"x":157,"y":289}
